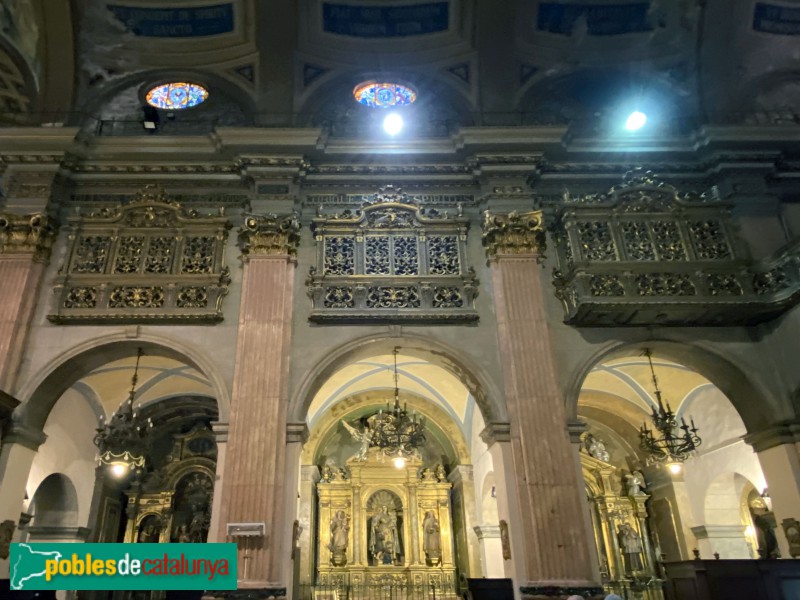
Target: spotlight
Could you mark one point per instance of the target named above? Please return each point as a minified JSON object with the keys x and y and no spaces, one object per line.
{"x":393,"y":123}
{"x":675,"y":467}
{"x":399,"y":462}
{"x":118,"y":470}
{"x":636,"y":120}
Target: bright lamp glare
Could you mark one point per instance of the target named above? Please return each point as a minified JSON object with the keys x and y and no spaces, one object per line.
{"x":636,"y":120}
{"x":399,"y":462}
{"x":118,"y":470}
{"x":675,"y":468}
{"x":393,"y":123}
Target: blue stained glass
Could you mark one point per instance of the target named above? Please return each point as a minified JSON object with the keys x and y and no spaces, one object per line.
{"x":384,"y":95}
{"x":177,"y":95}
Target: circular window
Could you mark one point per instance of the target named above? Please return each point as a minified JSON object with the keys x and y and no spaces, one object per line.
{"x":384,"y":95}
{"x":177,"y":95}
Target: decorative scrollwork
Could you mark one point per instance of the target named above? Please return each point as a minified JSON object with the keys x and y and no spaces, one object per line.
{"x":720,"y":284}
{"x":665,"y":284}
{"x":405,"y":255}
{"x":606,"y":285}
{"x":339,"y":255}
{"x":338,"y":297}
{"x":198,"y":255}
{"x":447,"y":297}
{"x":377,"y":256}
{"x":443,"y":256}
{"x":393,"y":297}
{"x":668,"y":240}
{"x":513,"y":233}
{"x":770,"y":281}
{"x":159,"y":255}
{"x":81,"y":297}
{"x":136,"y":297}
{"x":91,"y":254}
{"x":129,"y":254}
{"x":269,"y":235}
{"x":27,"y":233}
{"x":709,"y":240}
{"x":636,"y":238}
{"x":192,"y":297}
{"x":596,"y":241}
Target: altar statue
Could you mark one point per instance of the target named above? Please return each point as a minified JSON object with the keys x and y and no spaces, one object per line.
{"x":385,"y":541}
{"x":630,"y":543}
{"x":431,"y":540}
{"x":340,"y":527}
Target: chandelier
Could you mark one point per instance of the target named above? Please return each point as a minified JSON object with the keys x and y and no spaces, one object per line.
{"x":123,"y":440}
{"x":394,"y":431}
{"x":667,"y":444}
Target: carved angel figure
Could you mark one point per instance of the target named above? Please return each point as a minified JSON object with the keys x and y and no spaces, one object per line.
{"x":635,"y":483}
{"x":365,"y":437}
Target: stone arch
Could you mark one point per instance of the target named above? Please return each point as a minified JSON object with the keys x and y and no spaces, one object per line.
{"x":745,"y":390}
{"x":18,"y":92}
{"x":484,"y":390}
{"x":229,"y":89}
{"x":55,"y":502}
{"x":42,"y":392}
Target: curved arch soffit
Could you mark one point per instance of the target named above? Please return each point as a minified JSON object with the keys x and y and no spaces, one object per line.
{"x":41,"y":393}
{"x":485,"y":392}
{"x":446,"y":431}
{"x":744,"y":389}
{"x":215,"y":83}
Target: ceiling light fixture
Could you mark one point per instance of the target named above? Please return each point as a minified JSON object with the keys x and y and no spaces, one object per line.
{"x":393,"y":123}
{"x":636,"y":120}
{"x":663,"y":445}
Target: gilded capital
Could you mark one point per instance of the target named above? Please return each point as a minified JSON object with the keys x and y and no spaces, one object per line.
{"x":269,"y":235}
{"x":32,"y":233}
{"x":513,"y":233}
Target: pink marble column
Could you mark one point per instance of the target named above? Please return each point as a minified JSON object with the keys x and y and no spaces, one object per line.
{"x":253,"y":480}
{"x":553,"y":527}
{"x":24,"y":250}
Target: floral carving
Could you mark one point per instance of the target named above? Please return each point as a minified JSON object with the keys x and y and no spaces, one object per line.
{"x":513,"y":233}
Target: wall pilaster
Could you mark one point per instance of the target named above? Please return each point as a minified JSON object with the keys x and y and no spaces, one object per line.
{"x":556,"y":541}
{"x":253,"y":487}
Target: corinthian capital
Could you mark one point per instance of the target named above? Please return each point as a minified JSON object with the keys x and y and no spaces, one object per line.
{"x":269,"y":235}
{"x":513,"y":233}
{"x":27,"y":234}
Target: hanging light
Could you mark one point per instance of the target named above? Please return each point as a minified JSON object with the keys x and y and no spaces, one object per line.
{"x":122,"y":441}
{"x":398,"y":434}
{"x":665,"y":445}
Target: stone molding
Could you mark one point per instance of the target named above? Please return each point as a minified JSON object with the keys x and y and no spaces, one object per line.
{"x":296,"y":433}
{"x":269,"y":235}
{"x":23,"y":234}
{"x":513,"y":233}
{"x":787,"y":432}
{"x":57,"y":532}
{"x":496,"y":432}
{"x":24,"y":435}
{"x":702,"y":532}
{"x":221,"y":431}
{"x":460,"y":474}
{"x":7,"y":405}
{"x":487,"y":531}
{"x":576,"y":429}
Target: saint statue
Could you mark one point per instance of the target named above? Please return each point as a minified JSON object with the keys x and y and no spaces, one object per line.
{"x":182,"y":534}
{"x":431,"y":539}
{"x":150,"y":532}
{"x":596,"y":448}
{"x":340,"y":527}
{"x":630,"y":543}
{"x":385,"y":542}
{"x":364,"y":437}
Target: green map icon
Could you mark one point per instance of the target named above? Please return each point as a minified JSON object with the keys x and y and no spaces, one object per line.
{"x":27,"y":564}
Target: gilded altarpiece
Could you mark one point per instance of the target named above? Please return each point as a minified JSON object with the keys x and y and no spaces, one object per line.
{"x":173,"y":503}
{"x":621,"y":530}
{"x":397,"y":522}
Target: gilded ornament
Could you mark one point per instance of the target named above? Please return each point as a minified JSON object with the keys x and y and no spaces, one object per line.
{"x":33,"y":233}
{"x":513,"y":233}
{"x":269,"y":235}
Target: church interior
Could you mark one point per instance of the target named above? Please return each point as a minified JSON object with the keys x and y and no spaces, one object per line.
{"x":408,"y":299}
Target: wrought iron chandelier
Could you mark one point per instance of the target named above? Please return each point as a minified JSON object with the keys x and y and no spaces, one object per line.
{"x":665,"y":444}
{"x":394,"y":431}
{"x":122,"y":441}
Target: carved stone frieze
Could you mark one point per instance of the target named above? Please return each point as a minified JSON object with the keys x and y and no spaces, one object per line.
{"x":269,"y":235}
{"x":149,"y":260}
{"x":513,"y":233}
{"x":32,"y":233}
{"x":646,"y":253}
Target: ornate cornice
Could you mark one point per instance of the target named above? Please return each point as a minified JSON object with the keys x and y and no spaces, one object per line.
{"x":513,"y":233}
{"x":787,"y":432}
{"x":296,"y":433}
{"x":269,"y":235}
{"x":33,"y":233}
{"x":496,"y":432}
{"x":26,"y":436}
